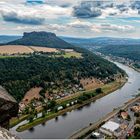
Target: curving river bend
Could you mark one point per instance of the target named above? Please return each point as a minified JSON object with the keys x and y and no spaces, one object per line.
{"x":67,"y":124}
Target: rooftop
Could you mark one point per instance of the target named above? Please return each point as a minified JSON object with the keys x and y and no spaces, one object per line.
{"x":111,"y":126}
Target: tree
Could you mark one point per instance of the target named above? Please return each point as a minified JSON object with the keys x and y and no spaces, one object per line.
{"x":35,"y":113}
{"x":98,"y":90}
{"x":31,"y":118}
{"x":51,"y":104}
{"x":26,"y":110}
{"x":43,"y":114}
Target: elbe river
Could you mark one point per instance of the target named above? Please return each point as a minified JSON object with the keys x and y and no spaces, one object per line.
{"x":67,"y":124}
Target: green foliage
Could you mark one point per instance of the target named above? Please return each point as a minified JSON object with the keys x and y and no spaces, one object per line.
{"x":84,"y":97}
{"x":18,"y":75}
{"x":43,"y":114}
{"x":137,"y":65}
{"x":30,"y":118}
{"x":126,"y":51}
{"x":51,"y":104}
{"x":42,"y":92}
{"x":98,"y":90}
{"x":136,"y":133}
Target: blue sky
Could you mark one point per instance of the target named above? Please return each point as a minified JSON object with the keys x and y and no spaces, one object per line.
{"x":77,"y":18}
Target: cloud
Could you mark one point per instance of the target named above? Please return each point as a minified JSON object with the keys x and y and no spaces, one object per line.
{"x":23,"y":19}
{"x":87,"y":10}
{"x":46,"y":27}
{"x":104,"y":27}
{"x":135,"y":5}
{"x":31,"y":14}
{"x":115,"y":28}
{"x":91,"y":9}
{"x":79,"y":24}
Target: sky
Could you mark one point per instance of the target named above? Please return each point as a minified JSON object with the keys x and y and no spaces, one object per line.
{"x":75,"y":18}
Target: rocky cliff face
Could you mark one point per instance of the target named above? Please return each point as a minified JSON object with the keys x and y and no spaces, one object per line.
{"x":5,"y":134}
{"x":8,"y":108}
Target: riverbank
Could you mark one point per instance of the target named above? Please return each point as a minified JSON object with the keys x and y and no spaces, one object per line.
{"x":106,"y":90}
{"x":83,"y":133}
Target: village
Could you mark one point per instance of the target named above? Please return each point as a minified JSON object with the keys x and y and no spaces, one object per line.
{"x":122,"y":125}
{"x":129,"y":62}
{"x":34,"y":97}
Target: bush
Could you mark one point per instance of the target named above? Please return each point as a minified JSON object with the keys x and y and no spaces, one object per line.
{"x":98,"y":90}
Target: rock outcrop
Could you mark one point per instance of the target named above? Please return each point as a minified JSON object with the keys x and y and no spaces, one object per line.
{"x":8,"y":108}
{"x":43,"y":39}
{"x":5,"y":134}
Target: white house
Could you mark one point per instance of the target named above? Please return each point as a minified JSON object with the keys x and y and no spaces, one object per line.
{"x":60,"y":108}
{"x":109,"y":128}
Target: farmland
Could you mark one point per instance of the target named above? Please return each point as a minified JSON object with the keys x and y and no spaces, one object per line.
{"x":15,"y":49}
{"x":7,"y":51}
{"x":72,"y":54}
{"x":44,"y":49}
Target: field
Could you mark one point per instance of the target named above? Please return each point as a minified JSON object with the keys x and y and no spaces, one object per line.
{"x":44,"y":49}
{"x":14,"y":49}
{"x":72,"y":54}
{"x":17,"y":50}
{"x":91,"y":83}
{"x":31,"y":94}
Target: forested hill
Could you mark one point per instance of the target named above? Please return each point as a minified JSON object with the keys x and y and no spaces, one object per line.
{"x":8,"y":38}
{"x":43,"y":39}
{"x":126,"y":51}
{"x":122,"y":47}
{"x":101,"y":41}
{"x":20,"y":74}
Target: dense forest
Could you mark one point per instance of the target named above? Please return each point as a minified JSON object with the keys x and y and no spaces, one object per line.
{"x":126,"y":51}
{"x":20,"y":74}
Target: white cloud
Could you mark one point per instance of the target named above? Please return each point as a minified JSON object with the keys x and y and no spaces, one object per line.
{"x":57,"y":16}
{"x":28,"y":13}
{"x":113,"y":28}
{"x":80,"y":24}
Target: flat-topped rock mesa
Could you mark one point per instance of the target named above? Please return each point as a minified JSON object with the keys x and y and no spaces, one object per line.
{"x":37,"y":34}
{"x":43,"y":39}
{"x":8,"y":108}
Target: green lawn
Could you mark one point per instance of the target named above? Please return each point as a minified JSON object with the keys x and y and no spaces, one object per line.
{"x":72,"y":54}
{"x":69,"y":55}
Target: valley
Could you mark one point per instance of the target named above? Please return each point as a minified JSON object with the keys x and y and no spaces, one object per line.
{"x":53,"y":80}
{"x":69,"y":69}
{"x":94,"y":110}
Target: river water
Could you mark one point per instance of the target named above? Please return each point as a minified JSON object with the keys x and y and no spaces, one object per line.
{"x":67,"y":124}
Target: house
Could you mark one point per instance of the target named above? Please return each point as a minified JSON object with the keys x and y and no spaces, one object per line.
{"x":58,"y":97}
{"x":123,"y":126}
{"x":60,"y":108}
{"x":135,"y":108}
{"x":67,"y":105}
{"x":124,"y":115}
{"x":72,"y":103}
{"x":75,"y":101}
{"x":95,"y":135}
{"x":109,"y":128}
{"x":21,"y":106}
